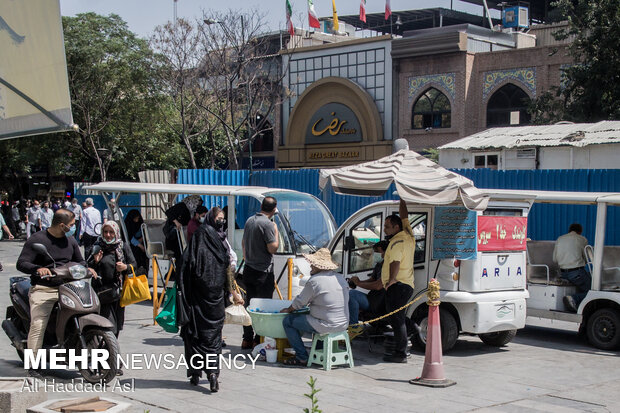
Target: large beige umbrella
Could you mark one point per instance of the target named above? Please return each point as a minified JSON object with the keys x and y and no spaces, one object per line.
{"x":417,"y":180}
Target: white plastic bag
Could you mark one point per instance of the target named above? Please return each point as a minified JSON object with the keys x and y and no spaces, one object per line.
{"x":236,"y":314}
{"x":268,"y":343}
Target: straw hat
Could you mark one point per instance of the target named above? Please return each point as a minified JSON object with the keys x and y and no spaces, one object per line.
{"x":321,"y":259}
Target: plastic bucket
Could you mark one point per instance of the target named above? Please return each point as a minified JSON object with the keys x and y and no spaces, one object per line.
{"x":271,"y":354}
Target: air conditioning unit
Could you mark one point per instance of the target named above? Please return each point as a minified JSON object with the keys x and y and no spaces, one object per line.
{"x":516,"y":17}
{"x":526,"y":153}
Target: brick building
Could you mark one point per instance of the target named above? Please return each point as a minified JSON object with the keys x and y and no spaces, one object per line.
{"x":430,"y":86}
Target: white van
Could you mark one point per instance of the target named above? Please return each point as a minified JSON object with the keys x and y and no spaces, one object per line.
{"x":485,"y":296}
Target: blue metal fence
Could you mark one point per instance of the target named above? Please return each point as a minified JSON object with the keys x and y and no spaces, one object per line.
{"x":546,"y":222}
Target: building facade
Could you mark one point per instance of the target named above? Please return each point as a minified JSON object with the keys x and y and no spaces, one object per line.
{"x":349,"y":101}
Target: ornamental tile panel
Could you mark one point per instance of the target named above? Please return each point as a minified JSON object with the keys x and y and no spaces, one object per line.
{"x":525,"y":77}
{"x":445,"y":80}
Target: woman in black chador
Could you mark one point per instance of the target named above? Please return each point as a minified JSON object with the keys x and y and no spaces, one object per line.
{"x":205,"y":281}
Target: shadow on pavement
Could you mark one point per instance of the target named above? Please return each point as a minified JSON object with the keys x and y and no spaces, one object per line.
{"x":163,"y":341}
{"x":557,"y":339}
{"x":181,"y":384}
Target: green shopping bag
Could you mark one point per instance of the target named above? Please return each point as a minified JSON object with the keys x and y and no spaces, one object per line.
{"x":167,"y":317}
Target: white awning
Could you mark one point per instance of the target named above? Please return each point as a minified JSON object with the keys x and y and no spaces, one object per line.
{"x":417,"y":179}
{"x":34,"y":91}
{"x":181,"y":189}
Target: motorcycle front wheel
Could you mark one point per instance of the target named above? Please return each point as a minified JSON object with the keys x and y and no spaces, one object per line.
{"x":102,"y":340}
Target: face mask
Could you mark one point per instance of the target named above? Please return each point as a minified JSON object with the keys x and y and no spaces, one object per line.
{"x":202,"y":219}
{"x":110,"y":242}
{"x":219,"y":224}
{"x":377,"y":257}
{"x":388,"y":237}
{"x":71,"y":231}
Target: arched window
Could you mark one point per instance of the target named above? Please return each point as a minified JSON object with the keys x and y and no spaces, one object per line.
{"x":431,"y":110}
{"x":508,"y":107}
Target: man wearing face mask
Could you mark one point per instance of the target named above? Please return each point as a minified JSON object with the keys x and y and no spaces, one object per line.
{"x":197,"y":219}
{"x":46,"y":216}
{"x":33,"y":219}
{"x":62,"y":247}
{"x":77,"y":210}
{"x":374,"y":301}
{"x":260,"y":242}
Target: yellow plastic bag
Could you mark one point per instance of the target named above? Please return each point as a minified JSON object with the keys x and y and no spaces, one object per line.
{"x":135,"y":289}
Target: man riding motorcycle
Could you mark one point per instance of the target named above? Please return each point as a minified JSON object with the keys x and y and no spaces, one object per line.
{"x":62,"y":248}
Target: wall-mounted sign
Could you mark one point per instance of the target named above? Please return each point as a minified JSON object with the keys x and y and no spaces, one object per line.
{"x":333,"y":123}
{"x":334,"y":155}
{"x":454,"y":233}
{"x":499,"y":233}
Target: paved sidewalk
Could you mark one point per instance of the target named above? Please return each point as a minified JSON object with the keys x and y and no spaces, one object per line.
{"x":544,"y":369}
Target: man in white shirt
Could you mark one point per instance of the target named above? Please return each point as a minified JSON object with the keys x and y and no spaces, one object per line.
{"x":33,"y":219}
{"x":46,"y":216}
{"x":91,"y":226}
{"x":111,"y":214}
{"x":570,"y":256}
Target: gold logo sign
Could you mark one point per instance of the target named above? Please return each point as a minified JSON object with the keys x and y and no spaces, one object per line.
{"x":335,"y":127}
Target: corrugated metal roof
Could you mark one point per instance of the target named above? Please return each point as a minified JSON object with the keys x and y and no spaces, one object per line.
{"x":573,"y":134}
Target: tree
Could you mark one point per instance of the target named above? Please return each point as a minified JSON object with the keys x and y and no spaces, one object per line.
{"x":591,"y":88}
{"x":241,"y":70}
{"x":113,"y":91}
{"x":177,"y":45}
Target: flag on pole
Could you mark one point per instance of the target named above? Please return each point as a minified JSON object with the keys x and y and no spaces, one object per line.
{"x":289,"y":22}
{"x":388,"y":9}
{"x":312,"y":19}
{"x":363,"y":10}
{"x":336,"y":27}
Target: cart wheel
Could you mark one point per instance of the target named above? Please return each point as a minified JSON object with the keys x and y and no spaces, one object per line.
{"x":499,"y":338}
{"x":603,"y":329}
{"x":449,"y":330}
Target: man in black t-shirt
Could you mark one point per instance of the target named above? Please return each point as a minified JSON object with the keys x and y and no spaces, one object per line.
{"x":62,"y":247}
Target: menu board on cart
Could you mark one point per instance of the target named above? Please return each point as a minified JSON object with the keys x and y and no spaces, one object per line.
{"x":454,"y":233}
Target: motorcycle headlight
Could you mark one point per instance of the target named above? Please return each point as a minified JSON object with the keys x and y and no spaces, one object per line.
{"x":67,"y":301}
{"x":78,"y":272}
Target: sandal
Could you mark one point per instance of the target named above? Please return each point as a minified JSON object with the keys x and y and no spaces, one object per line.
{"x":294,"y":362}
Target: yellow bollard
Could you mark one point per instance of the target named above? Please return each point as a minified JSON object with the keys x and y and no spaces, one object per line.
{"x":155,"y":275}
{"x":290,"y":278}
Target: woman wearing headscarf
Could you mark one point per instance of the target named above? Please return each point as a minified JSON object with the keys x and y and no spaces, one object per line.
{"x":133,"y":224}
{"x":111,"y":259}
{"x":205,"y":280}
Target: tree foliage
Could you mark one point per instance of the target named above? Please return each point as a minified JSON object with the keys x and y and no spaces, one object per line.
{"x":114,"y":97}
{"x":591,"y":87}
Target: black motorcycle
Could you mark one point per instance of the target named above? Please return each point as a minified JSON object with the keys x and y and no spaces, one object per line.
{"x":75,"y":322}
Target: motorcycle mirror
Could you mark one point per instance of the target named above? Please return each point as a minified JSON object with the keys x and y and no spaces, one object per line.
{"x":40,"y":249}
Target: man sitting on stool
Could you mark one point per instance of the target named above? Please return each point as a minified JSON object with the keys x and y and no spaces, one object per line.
{"x":569,"y":254}
{"x":327,"y":295}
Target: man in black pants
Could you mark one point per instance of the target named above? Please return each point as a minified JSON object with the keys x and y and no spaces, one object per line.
{"x":260,"y":242}
{"x":397,"y":277}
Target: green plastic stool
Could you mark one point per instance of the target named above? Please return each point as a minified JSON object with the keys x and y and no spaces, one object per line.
{"x":331,"y":354}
